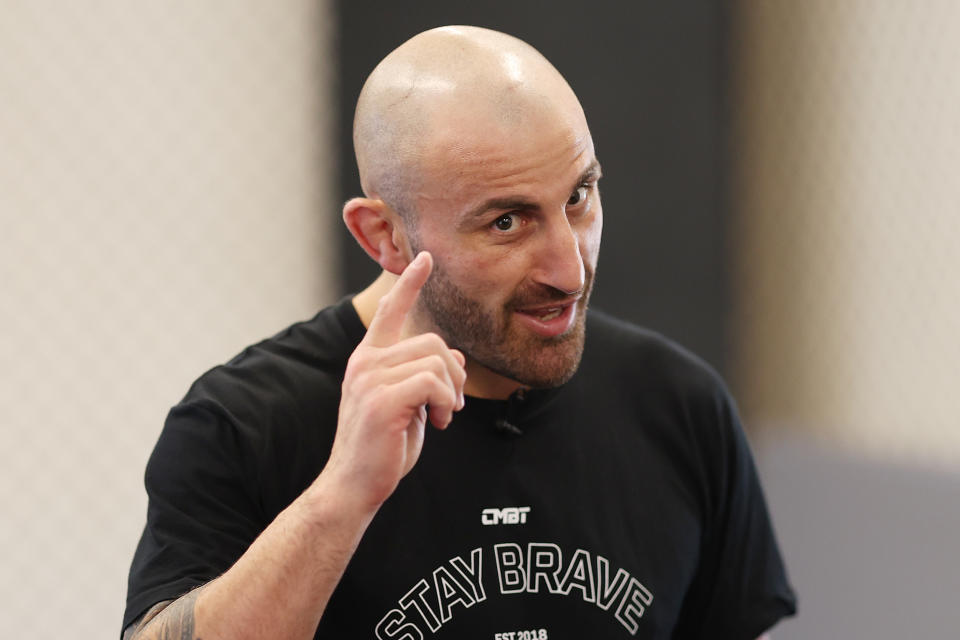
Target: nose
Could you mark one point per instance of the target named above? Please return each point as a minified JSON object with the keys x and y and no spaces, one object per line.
{"x":559,"y":261}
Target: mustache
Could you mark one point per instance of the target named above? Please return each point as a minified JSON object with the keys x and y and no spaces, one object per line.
{"x":542,"y":294}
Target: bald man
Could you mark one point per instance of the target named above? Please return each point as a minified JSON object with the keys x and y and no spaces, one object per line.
{"x":580,"y":477}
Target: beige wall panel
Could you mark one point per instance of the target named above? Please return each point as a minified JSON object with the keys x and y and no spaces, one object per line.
{"x":848,"y":238}
{"x":165,"y":199}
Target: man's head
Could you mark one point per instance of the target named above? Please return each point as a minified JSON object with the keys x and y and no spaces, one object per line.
{"x":472,"y":146}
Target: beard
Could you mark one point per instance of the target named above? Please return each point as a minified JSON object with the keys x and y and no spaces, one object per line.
{"x":491,"y":338}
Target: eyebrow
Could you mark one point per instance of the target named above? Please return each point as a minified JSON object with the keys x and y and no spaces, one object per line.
{"x":517,"y":203}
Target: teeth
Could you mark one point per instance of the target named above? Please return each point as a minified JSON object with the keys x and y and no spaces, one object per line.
{"x":553,"y":313}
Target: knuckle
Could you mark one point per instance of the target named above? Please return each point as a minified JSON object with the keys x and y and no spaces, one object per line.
{"x":351,"y":371}
{"x":431,"y":378}
{"x":433,"y":382}
{"x":378,"y":392}
{"x":446,"y":397}
{"x":436,"y":364}
{"x":434,"y":340}
{"x":358,"y":359}
{"x":355,"y":375}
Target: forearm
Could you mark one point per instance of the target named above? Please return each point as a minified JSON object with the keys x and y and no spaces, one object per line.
{"x":280,"y":587}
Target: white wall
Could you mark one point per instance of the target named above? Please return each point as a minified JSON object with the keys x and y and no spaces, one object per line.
{"x":165,"y":199}
{"x":849,"y":239}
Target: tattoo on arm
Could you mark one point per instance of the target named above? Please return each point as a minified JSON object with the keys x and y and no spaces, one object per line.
{"x":135,"y":627}
{"x":168,"y":620}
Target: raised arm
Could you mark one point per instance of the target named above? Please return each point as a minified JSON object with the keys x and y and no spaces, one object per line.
{"x":280,"y":586}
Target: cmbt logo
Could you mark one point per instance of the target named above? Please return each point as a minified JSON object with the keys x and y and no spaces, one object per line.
{"x":507,"y":515}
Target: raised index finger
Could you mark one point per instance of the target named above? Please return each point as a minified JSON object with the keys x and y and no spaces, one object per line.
{"x":387,"y":324}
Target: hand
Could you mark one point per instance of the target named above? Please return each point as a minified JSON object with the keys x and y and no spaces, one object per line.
{"x":388,"y":385}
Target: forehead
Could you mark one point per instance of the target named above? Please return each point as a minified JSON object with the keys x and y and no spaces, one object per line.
{"x":471,"y":154}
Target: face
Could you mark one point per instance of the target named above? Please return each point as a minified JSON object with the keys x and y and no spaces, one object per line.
{"x":513,"y":223}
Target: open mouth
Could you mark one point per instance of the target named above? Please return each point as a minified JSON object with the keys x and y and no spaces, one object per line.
{"x":548,"y":310}
{"x":549,"y":321}
{"x":548,"y":314}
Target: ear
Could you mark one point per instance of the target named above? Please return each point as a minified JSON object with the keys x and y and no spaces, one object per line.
{"x":379,"y":231}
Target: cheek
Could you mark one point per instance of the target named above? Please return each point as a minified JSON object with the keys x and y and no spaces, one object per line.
{"x":490,"y":278}
{"x":489,"y":275}
{"x":484,"y":275}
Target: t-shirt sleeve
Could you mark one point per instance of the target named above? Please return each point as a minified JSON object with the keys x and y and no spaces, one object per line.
{"x":741,"y":588}
{"x":203,"y":511}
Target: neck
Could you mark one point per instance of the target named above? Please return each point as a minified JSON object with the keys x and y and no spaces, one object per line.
{"x":481,"y":381}
{"x":484,"y":383}
{"x":366,"y":301}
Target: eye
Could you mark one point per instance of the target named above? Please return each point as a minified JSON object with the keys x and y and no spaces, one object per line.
{"x":505,"y":222}
{"x":577,"y":196}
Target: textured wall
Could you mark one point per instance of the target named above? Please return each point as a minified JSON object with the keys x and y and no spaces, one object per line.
{"x":848,"y":238}
{"x":164,"y":200}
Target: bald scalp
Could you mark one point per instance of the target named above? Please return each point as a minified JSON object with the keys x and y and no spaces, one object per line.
{"x":434,"y":89}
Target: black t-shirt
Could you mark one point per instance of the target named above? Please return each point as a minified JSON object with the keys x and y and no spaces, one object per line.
{"x":624,"y":503}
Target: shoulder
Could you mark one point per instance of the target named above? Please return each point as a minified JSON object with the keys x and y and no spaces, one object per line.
{"x":660,"y":386}
{"x":646,"y":358}
{"x":271,"y":407}
{"x":677,"y":400}
{"x":275,"y":386}
{"x":301,"y":358}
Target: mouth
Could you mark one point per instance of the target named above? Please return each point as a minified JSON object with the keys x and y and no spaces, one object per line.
{"x":546,"y":314}
{"x":549,"y":320}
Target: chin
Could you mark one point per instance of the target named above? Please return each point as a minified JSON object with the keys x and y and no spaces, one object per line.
{"x":537,"y":363}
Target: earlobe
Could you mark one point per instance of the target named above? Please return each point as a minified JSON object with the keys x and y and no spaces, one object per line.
{"x":375,"y":228}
